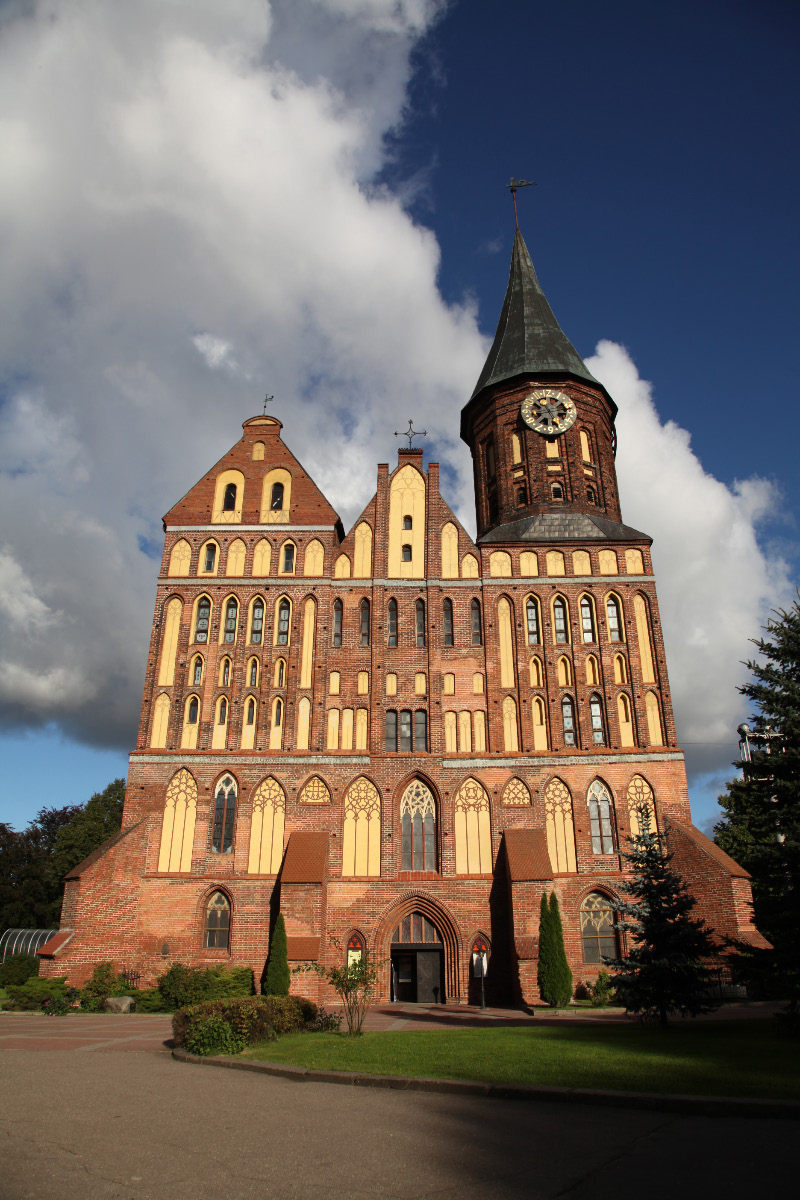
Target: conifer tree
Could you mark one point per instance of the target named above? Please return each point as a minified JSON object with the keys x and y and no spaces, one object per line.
{"x":666,"y":969}
{"x":553,"y":974}
{"x":276,"y":980}
{"x":761,"y":826}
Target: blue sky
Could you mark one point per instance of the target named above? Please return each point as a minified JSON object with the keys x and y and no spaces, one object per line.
{"x":310,"y":200}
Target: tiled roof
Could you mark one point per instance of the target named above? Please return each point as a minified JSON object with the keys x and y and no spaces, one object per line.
{"x":527,"y":947}
{"x":710,"y":848}
{"x":306,"y":858}
{"x":564,"y":526}
{"x":528,"y":858}
{"x":56,"y":944}
{"x":302,"y":949}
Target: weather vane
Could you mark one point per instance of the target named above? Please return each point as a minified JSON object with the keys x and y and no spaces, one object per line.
{"x":512,"y":187}
{"x":410,"y":433}
{"x":267,"y":400}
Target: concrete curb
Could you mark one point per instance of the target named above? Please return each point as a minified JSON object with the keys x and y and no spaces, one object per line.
{"x":704,"y":1106}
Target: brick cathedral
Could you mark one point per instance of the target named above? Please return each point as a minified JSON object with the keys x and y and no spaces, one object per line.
{"x":400,"y":737}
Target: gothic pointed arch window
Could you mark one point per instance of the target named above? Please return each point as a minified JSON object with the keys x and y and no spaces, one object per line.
{"x":276,"y":497}
{"x":283,"y":622}
{"x":338,"y":617}
{"x":516,"y":794}
{"x":598,"y":929}
{"x":267,"y":828}
{"x":224,"y":816}
{"x":534,"y":621}
{"x":361,"y":836}
{"x":364,"y":622}
{"x":177,"y":827}
{"x":641,"y":806}
{"x":391,"y":623}
{"x":276,"y":729}
{"x":257,"y":621}
{"x":252,"y":673}
{"x":588,"y":629}
{"x":231,"y":620}
{"x":217,"y":926}
{"x":447,"y":622}
{"x":202,"y":619}
{"x":197,"y":670}
{"x":158,"y":735}
{"x":598,"y":720}
{"x":315,"y":791}
{"x":287,"y":559}
{"x":601,"y":818}
{"x":568,"y":721}
{"x":355,"y":949}
{"x":191,"y":723}
{"x":418,"y":820}
{"x":475,"y":622}
{"x":419,"y":622}
{"x":560,"y":621}
{"x":279,"y":673}
{"x":473,"y":831}
{"x":560,"y":827}
{"x":225,"y":672}
{"x":614,"y":619}
{"x":249,"y":724}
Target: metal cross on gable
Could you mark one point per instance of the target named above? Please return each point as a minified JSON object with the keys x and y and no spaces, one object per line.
{"x":267,"y":400}
{"x":411,"y":433}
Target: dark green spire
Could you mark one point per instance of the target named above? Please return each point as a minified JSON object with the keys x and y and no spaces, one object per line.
{"x":529,"y":340}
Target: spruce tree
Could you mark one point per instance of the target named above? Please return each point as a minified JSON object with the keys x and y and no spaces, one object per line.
{"x":553,"y":974}
{"x":666,"y":969}
{"x":761,"y":825}
{"x":276,"y":980}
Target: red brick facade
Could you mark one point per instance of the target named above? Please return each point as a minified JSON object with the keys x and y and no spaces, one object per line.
{"x":142,"y":900}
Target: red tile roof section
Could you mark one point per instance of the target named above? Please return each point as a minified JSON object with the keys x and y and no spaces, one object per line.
{"x":710,"y":848}
{"x":527,"y":947}
{"x":56,"y":944}
{"x":528,"y":857}
{"x":306,"y":858}
{"x":302,"y":949}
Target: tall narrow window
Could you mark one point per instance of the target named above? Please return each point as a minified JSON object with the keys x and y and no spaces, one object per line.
{"x":364,"y":626}
{"x":447,"y":622}
{"x":218,"y":922}
{"x":222,"y":712}
{"x":231,"y":612}
{"x":614,"y":619}
{"x":407,"y":552}
{"x":391,"y":624}
{"x":280,"y":673}
{"x":420,"y":729}
{"x":338,"y":611}
{"x":532,"y":615}
{"x":225,"y":673}
{"x":568,"y":721}
{"x":418,"y":818}
{"x":253,"y":676}
{"x":224,"y":815}
{"x":406,"y":741}
{"x":229,"y":502}
{"x":203,"y":619}
{"x":391,"y":731}
{"x":407,"y":523}
{"x":475,"y":622}
{"x":193,"y":711}
{"x":284,"y":611}
{"x":598,"y":730}
{"x":587,"y":620}
{"x":491,"y":461}
{"x":250,"y":712}
{"x":257,"y":621}
{"x":276,"y":499}
{"x":560,"y":631}
{"x":419,"y":613}
{"x":598,"y":934}
{"x":601,"y":819}
{"x":210,"y":558}
{"x":197,"y":671}
{"x":287,"y":566}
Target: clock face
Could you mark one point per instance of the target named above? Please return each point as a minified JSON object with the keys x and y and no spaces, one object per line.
{"x":548,"y":411}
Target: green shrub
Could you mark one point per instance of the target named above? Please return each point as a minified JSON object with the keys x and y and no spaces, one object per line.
{"x":602,"y":991}
{"x":277,"y":978}
{"x":42,"y":995}
{"x":554,"y":975}
{"x":148,"y":1000}
{"x":249,"y":1020}
{"x":104,"y":983}
{"x":180,"y":985}
{"x":18,"y":968}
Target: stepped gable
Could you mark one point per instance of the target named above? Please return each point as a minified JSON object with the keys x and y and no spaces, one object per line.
{"x":308,"y":505}
{"x":563,"y":526}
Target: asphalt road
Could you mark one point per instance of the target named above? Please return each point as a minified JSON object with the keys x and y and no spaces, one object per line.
{"x":141,"y":1126}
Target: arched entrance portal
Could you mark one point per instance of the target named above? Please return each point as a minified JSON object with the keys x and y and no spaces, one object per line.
{"x":417,"y":961}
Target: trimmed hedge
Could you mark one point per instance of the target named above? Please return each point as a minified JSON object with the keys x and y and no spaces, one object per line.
{"x":42,"y":995}
{"x":180,"y":986}
{"x":227,"y":1026}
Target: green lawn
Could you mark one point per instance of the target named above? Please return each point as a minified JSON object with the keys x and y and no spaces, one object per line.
{"x":721,"y":1058}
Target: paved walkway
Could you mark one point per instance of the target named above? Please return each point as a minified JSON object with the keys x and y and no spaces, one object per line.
{"x":107,"y":1031}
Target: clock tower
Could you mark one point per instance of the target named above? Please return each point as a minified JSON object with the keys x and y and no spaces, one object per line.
{"x":540,"y":427}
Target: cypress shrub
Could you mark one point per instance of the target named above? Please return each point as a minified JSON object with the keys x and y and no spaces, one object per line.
{"x":563,"y":975}
{"x":276,"y":981}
